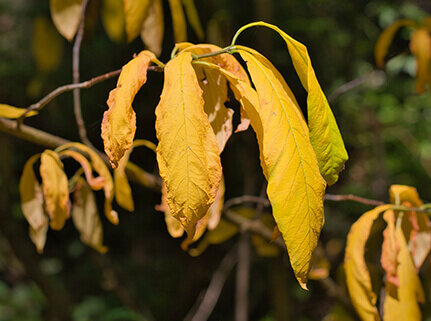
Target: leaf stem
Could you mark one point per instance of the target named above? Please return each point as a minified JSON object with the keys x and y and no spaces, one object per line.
{"x":215,"y":53}
{"x":240,"y":30}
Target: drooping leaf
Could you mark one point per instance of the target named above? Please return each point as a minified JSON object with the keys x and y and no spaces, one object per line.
{"x":295,"y":186}
{"x":386,"y":37}
{"x":47,"y":45}
{"x":178,"y":20}
{"x":403,"y":193}
{"x":119,"y":121}
{"x":113,"y":19}
{"x":193,"y":17}
{"x":135,"y":12}
{"x":99,"y":167}
{"x":404,"y":306}
{"x":38,"y":237}
{"x":55,"y":189}
{"x":85,"y":216}
{"x":357,"y":275}
{"x":11,"y":112}
{"x":420,"y":46}
{"x":66,"y":15}
{"x":187,"y":154}
{"x":325,"y":136}
{"x":216,"y":208}
{"x":153,"y":27}
{"x":390,"y":249}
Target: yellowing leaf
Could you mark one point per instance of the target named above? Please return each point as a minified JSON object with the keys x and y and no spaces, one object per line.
{"x":113,"y":19}
{"x":193,"y":17}
{"x":153,"y":27}
{"x":11,"y":112}
{"x":85,"y":217}
{"x":66,"y":15}
{"x":47,"y":45}
{"x":187,"y":154}
{"x":135,"y":12}
{"x":390,"y":249}
{"x":403,"y":193}
{"x":119,"y":121}
{"x":100,"y":168}
{"x":324,"y":134}
{"x":420,"y":46}
{"x":216,"y":208}
{"x":416,"y":227}
{"x":404,"y":305}
{"x":295,"y":186}
{"x":386,"y":37}
{"x":178,"y":20}
{"x":357,"y":275}
{"x":55,"y":189}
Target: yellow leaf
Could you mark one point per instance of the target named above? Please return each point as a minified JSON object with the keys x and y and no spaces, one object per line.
{"x":216,"y":208}
{"x":31,"y":196}
{"x":403,"y":193}
{"x":38,"y":237}
{"x":85,"y":217}
{"x":11,"y":112}
{"x":357,"y":275}
{"x":178,"y":20}
{"x":113,"y":19}
{"x":385,"y":40}
{"x":324,"y":134}
{"x":173,"y":225}
{"x":404,"y":305}
{"x":187,"y":154}
{"x":193,"y":17}
{"x":295,"y":186}
{"x":390,"y":249}
{"x":55,"y":189}
{"x":47,"y":45}
{"x":153,"y":27}
{"x":123,"y":192}
{"x":66,"y":15}
{"x":100,"y":168}
{"x":135,"y":12}
{"x":420,"y":46}
{"x":119,"y":121}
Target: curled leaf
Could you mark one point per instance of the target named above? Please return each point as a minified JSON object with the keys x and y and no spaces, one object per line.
{"x":11,"y":112}
{"x":66,"y":15}
{"x":153,"y":27}
{"x":119,"y":121}
{"x":420,"y":46}
{"x":390,"y":249}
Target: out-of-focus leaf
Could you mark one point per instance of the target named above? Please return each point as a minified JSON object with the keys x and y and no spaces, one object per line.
{"x":193,"y":17}
{"x":187,"y":154}
{"x":295,"y":186}
{"x":119,"y":121}
{"x":173,"y":225}
{"x":403,"y":193}
{"x":55,"y":189}
{"x":338,"y":313}
{"x":135,"y":12}
{"x":420,"y":46}
{"x":404,"y":304}
{"x":390,"y":249}
{"x":386,"y":37}
{"x":153,"y":27}
{"x":357,"y":275}
{"x":321,"y":266}
{"x":47,"y":45}
{"x":11,"y":112}
{"x":113,"y":19}
{"x":178,"y":20}
{"x":85,"y":217}
{"x":38,"y":237}
{"x":99,"y":167}
{"x":66,"y":15}
{"x":262,"y":246}
{"x":216,"y":208}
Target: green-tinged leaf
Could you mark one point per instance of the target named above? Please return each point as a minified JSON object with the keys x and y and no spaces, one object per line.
{"x":357,"y":275}
{"x":119,"y":121}
{"x":187,"y":154}
{"x":11,"y":112}
{"x":135,"y":12}
{"x":402,"y":303}
{"x":66,"y":15}
{"x":55,"y":189}
{"x":99,"y":167}
{"x":385,"y":40}
{"x":325,"y":136}
{"x":153,"y":27}
{"x":178,"y":20}
{"x":47,"y":45}
{"x":193,"y":17}
{"x":295,"y":186}
{"x":420,"y":46}
{"x":113,"y":19}
{"x":123,"y":191}
{"x":85,"y":216}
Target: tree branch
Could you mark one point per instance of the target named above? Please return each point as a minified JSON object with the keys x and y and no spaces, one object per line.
{"x":354,"y":198}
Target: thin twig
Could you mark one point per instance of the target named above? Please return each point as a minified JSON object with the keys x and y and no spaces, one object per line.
{"x":246,"y":199}
{"x":76,"y":92}
{"x":354,"y":198}
{"x":242,"y":278}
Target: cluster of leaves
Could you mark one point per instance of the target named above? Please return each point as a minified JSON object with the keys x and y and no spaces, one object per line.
{"x":406,"y":244}
{"x":420,"y":47}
